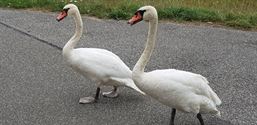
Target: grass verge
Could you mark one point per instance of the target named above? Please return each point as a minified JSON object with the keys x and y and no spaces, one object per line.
{"x":233,"y":13}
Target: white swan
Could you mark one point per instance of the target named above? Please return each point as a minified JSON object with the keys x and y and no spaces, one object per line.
{"x":181,"y":90}
{"x":101,"y":66}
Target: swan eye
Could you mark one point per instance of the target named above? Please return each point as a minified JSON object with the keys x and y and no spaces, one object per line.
{"x":66,"y":9}
{"x":141,"y":12}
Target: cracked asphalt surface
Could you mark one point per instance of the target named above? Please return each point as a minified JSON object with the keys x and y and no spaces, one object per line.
{"x":37,"y":88}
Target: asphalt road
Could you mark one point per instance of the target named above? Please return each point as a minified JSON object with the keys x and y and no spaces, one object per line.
{"x":37,"y":88}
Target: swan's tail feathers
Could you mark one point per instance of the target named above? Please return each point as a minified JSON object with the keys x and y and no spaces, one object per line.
{"x":129,"y":83}
{"x":204,"y":79}
{"x":218,"y":114}
{"x":215,"y":98}
{"x":132,"y":85}
{"x":215,"y":111}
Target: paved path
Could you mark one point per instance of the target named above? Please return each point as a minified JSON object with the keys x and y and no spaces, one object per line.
{"x":38,"y":88}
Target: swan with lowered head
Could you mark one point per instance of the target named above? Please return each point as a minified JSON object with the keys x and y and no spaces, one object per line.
{"x":99,"y":65}
{"x":180,"y":90}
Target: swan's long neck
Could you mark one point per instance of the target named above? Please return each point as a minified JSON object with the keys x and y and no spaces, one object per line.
{"x":141,"y":63}
{"x":75,"y":38}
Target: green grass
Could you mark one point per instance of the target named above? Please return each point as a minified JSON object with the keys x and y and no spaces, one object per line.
{"x":233,"y":13}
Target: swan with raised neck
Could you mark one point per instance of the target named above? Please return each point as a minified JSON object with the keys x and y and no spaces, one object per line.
{"x":180,"y":90}
{"x":72,"y":10}
{"x":99,"y":65}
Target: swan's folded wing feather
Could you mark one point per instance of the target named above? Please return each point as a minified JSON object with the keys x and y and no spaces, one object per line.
{"x":100,"y":62}
{"x":177,"y":79}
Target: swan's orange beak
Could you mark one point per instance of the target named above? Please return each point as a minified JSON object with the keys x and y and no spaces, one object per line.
{"x":135,"y":19}
{"x":62,"y":15}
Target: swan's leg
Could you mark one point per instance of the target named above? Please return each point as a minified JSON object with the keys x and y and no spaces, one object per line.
{"x":173,"y":113}
{"x":199,"y":116}
{"x":87,"y":100}
{"x":111,"y":94}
